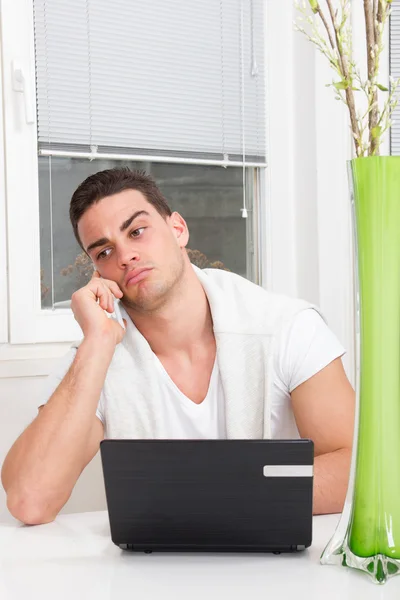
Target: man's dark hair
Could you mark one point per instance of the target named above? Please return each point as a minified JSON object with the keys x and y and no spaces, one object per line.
{"x":109,"y":182}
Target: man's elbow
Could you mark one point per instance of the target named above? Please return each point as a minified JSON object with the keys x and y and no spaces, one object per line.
{"x":29,"y":510}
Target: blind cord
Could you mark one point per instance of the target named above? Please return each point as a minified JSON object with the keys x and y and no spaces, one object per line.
{"x":242,"y":112}
{"x":50,"y":160}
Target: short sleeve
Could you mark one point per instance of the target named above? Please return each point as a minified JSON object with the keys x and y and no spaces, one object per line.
{"x":53,"y":380}
{"x":305,"y":347}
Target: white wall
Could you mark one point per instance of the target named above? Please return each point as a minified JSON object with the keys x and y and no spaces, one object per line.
{"x":19,"y":399}
{"x":305,"y":171}
{"x":310,"y":252}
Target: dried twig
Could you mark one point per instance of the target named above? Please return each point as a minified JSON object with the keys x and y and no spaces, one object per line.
{"x":374,"y":16}
{"x":367,"y":126}
{"x":319,"y":12}
{"x":346,"y":77}
{"x":373,"y":116}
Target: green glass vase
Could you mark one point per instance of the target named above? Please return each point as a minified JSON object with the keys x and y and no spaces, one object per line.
{"x":368,"y":534}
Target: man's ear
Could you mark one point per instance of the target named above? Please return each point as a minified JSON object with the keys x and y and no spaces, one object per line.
{"x":180,"y":229}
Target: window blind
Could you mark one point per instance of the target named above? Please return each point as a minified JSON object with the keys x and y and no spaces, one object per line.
{"x":395,"y":73}
{"x":179,"y":79}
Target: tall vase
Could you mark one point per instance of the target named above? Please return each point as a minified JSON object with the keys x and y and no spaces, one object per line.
{"x":368,"y":534}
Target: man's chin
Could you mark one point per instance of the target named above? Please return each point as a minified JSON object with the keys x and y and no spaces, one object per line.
{"x":144,"y":300}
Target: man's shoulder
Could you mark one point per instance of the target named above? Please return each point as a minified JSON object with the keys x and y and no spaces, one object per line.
{"x":233,"y":283}
{"x":244,"y":305}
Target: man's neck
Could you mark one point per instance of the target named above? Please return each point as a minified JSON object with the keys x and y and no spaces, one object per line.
{"x":182,"y":324}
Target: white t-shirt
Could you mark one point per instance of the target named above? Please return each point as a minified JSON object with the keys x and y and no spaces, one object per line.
{"x":183,"y":419}
{"x":306,"y":346}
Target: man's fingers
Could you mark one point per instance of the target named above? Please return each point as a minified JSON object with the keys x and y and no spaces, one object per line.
{"x":114,"y":287}
{"x":102,"y":294}
{"x":114,"y":290}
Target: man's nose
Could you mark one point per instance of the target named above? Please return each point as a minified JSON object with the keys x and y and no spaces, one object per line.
{"x":127,"y":255}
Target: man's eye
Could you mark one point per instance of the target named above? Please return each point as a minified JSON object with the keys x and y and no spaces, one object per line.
{"x":137,"y":232}
{"x":103,"y":253}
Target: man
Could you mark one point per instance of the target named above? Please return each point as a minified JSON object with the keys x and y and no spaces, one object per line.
{"x":206,"y":354}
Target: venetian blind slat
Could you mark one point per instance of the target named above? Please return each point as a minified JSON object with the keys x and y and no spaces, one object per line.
{"x":166,"y":77}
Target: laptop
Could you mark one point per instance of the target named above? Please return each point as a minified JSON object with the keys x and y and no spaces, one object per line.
{"x":209,"y":495}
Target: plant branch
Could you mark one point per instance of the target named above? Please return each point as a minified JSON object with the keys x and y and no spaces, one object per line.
{"x":375,"y":8}
{"x":346,"y":76}
{"x":390,"y":105}
{"x":371,"y":31}
{"x":326,"y":25}
{"x":369,"y":125}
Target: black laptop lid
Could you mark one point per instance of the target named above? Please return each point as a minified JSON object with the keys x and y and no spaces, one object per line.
{"x":209,"y":494}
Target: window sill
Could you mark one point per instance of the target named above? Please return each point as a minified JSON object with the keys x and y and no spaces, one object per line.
{"x":30,"y":360}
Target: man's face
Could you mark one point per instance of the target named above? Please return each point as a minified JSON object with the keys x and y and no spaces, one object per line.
{"x":130,"y":243}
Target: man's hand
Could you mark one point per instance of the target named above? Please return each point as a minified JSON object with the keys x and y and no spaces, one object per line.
{"x":88,"y":305}
{"x":324,"y":408}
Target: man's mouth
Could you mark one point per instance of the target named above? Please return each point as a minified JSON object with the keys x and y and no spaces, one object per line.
{"x":136,"y":275}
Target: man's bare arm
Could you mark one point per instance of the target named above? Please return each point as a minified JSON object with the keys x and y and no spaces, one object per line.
{"x":331,"y":477}
{"x":324,"y":408}
{"x":44,"y":463}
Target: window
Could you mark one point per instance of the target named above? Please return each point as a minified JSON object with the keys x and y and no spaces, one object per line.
{"x":394,"y":52}
{"x":175,"y":88}
{"x":209,"y":197}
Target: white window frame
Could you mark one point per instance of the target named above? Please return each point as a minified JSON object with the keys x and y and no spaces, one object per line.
{"x":278,"y":245}
{"x":3,"y":234}
{"x":28,"y":322}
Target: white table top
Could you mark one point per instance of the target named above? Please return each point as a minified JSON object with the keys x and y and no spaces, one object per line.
{"x":74,"y":558}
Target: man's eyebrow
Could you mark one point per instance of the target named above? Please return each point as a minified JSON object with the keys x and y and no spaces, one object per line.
{"x":125,"y":225}
{"x":96,"y":244}
{"x":135,"y":215}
